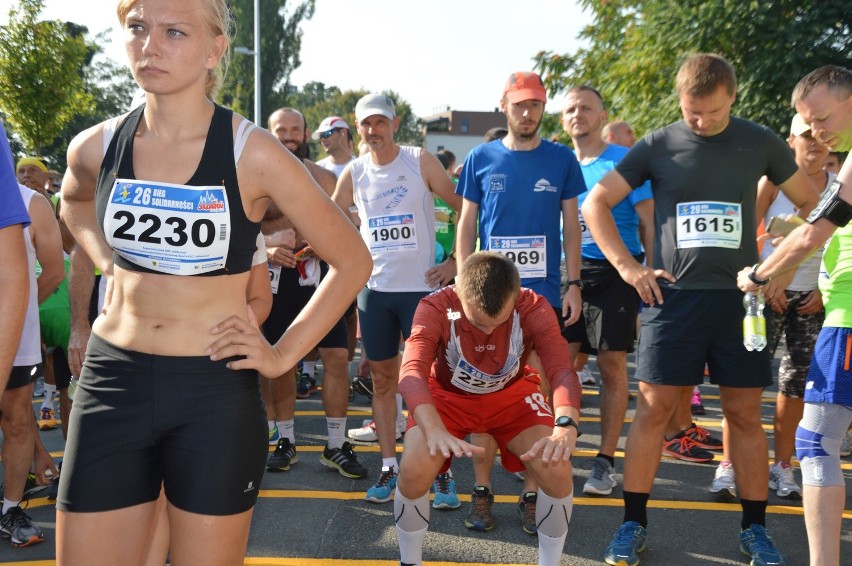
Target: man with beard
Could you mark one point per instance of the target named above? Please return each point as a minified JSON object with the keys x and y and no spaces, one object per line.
{"x":292,"y":288}
{"x":519,"y":188}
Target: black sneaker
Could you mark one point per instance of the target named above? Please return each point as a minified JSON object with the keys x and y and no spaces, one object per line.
{"x":19,"y":529}
{"x":526,"y":512}
{"x":343,"y":460}
{"x":306,"y":386}
{"x":284,"y":455}
{"x":363,"y":384}
{"x":480,"y":517}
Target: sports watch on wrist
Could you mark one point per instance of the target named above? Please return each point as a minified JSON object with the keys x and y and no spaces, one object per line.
{"x":577,"y":282}
{"x":565,"y":421}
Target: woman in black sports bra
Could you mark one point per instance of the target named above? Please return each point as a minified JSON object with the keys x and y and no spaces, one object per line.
{"x":167,"y":202}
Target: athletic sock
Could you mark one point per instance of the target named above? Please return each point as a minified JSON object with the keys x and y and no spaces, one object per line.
{"x":336,"y":436}
{"x":636,"y":507}
{"x":49,"y":391}
{"x":285,"y":430}
{"x":390,"y":463}
{"x":309,"y":368}
{"x":8,"y":504}
{"x":552,"y":517}
{"x":754,"y":513}
{"x":610,"y":459}
{"x":411,"y":517}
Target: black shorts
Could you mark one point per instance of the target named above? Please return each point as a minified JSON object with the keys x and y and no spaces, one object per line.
{"x":289,"y":302}
{"x":694,"y":327}
{"x":21,"y":376}
{"x":141,"y":421}
{"x":610,"y":307}
{"x":61,"y":369}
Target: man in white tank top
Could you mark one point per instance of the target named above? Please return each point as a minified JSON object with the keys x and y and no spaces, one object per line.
{"x":393,"y":188}
{"x":17,"y":423}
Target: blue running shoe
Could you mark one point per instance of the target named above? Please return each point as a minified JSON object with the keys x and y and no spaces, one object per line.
{"x":626,"y":544}
{"x":274,"y":435}
{"x":756,"y":542}
{"x":382,"y":492}
{"x":445,"y":493}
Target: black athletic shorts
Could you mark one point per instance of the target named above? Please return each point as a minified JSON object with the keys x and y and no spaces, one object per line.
{"x":61,"y":369}
{"x":289,"y":302}
{"x":21,"y":376}
{"x":141,"y":421}
{"x":610,"y":307}
{"x":694,"y":327}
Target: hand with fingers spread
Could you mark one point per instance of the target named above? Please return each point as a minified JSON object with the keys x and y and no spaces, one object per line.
{"x":554,"y":449}
{"x":442,"y":442}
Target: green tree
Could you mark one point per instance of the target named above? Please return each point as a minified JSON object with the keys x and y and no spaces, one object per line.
{"x":634,"y":48}
{"x":41,"y":83}
{"x":280,"y":44}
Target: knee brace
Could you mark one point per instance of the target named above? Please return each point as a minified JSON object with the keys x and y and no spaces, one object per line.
{"x":818,"y":439}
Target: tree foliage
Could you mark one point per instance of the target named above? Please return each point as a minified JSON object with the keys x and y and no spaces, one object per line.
{"x":634,"y":48}
{"x":41,"y":83}
{"x":280,"y":44}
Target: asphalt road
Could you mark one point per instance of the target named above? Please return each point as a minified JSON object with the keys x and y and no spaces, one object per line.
{"x":311,"y":516}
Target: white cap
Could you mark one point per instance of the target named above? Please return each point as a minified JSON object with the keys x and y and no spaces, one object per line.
{"x":798,"y":126}
{"x":330,"y":123}
{"x":373,"y":104}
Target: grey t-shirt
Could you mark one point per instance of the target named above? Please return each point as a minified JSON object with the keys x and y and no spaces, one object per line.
{"x":704,"y":197}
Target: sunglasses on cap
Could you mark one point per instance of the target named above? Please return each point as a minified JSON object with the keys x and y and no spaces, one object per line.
{"x":327,"y":134}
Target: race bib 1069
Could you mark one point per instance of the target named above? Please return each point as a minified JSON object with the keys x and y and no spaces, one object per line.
{"x":528,"y":253}
{"x":173,"y":229}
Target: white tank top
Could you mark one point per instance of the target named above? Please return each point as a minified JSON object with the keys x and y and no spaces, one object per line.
{"x":808,"y":272}
{"x":29,"y":349}
{"x":397,"y":213}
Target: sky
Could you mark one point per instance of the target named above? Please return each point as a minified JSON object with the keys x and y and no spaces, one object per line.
{"x":436,"y":54}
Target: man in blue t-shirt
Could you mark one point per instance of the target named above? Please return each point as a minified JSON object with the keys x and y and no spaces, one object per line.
{"x":519,"y":189}
{"x":610,"y":305}
{"x":14,"y":286}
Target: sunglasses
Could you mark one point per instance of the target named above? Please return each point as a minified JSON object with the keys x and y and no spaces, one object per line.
{"x":327,"y":134}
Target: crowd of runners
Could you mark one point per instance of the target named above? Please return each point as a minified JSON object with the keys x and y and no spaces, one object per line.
{"x":181,"y":284}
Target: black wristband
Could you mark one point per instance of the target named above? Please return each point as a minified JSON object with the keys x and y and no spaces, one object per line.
{"x":753,"y":278}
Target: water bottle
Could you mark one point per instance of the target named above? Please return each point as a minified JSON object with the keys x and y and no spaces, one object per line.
{"x":754,"y":323}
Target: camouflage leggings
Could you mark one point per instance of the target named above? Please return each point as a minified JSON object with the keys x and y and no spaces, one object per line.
{"x":800,"y":332}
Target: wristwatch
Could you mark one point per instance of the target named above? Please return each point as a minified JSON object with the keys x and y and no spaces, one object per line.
{"x":565,"y":421}
{"x":754,"y":279}
{"x":577,"y":282}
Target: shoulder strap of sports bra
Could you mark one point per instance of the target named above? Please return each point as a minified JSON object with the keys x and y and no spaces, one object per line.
{"x":243,"y":131}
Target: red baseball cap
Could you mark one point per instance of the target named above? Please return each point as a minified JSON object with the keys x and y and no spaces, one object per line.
{"x":524,"y":86}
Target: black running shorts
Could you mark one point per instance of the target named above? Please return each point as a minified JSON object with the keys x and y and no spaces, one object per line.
{"x":141,"y":421}
{"x":694,"y":327}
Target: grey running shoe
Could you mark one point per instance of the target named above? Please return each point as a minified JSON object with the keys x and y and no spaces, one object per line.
{"x":601,"y":480}
{"x":480,"y":517}
{"x":782,"y":481}
{"x":526,"y":512}
{"x":19,"y":529}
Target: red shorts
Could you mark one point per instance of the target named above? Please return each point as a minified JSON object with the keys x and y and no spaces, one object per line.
{"x":503,"y":414}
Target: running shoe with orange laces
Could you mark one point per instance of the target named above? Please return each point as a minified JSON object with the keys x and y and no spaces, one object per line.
{"x":685,"y":448}
{"x":702,"y":438}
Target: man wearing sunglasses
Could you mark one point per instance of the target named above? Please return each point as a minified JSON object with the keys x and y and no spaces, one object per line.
{"x":336,"y":139}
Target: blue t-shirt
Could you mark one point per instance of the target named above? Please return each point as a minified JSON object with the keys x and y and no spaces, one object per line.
{"x":520,"y":194}
{"x":624,"y":213}
{"x":12,"y":209}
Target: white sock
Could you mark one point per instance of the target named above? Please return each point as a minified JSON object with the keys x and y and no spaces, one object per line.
{"x":336,"y":436}
{"x":390,"y":463}
{"x":285,"y":429}
{"x":309,"y":368}
{"x":411,"y":517}
{"x":8,"y":504}
{"x":399,"y":414}
{"x":552,"y":516}
{"x":49,"y":391}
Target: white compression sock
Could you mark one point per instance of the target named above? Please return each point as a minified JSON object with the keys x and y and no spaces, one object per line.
{"x":552,"y":517}
{"x":411,"y":517}
{"x":309,"y":368}
{"x":285,"y":429}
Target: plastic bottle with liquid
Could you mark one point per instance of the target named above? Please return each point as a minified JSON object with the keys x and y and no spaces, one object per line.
{"x":754,"y":323}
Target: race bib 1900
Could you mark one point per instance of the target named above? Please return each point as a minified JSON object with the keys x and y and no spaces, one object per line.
{"x":709,"y":224}
{"x":392,"y":233}
{"x":173,"y":229}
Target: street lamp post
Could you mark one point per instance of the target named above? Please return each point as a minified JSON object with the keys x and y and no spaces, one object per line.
{"x":256,"y":54}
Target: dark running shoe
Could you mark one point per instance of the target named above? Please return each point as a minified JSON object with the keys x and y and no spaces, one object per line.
{"x":526,"y":512}
{"x":283,"y":457}
{"x":343,"y":460}
{"x":306,"y":386}
{"x":696,"y":406}
{"x":480,"y":517}
{"x":684,"y":448}
{"x":756,"y":543}
{"x":702,"y":438}
{"x":19,"y":529}
{"x":363,"y":384}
